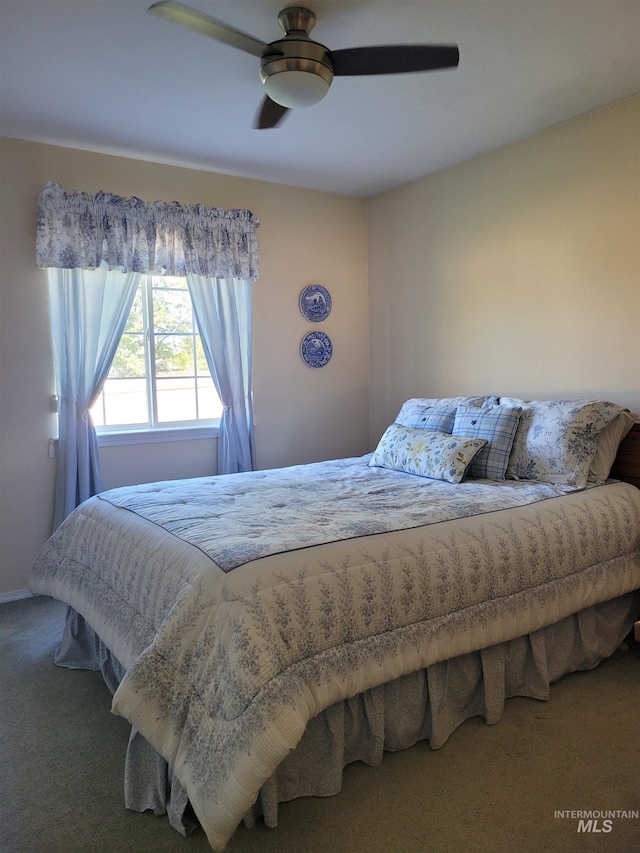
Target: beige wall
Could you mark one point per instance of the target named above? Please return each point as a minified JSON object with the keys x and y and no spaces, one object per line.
{"x":516,"y":273}
{"x":302,"y":414}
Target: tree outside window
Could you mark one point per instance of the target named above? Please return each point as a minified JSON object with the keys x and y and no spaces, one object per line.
{"x":159,"y":376}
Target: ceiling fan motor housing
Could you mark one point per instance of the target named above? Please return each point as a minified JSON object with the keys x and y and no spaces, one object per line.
{"x":297,"y":71}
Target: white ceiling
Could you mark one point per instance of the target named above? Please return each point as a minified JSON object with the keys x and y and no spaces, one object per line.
{"x":106,"y":76}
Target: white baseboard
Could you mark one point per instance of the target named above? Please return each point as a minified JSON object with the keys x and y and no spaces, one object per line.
{"x":15,"y":595}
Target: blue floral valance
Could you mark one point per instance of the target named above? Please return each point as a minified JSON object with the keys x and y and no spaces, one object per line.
{"x":80,"y":231}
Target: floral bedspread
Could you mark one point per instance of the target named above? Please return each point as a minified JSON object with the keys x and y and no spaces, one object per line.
{"x":227,"y":663}
{"x":235,"y":520}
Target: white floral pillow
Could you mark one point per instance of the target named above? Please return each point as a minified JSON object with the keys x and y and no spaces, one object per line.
{"x":426,"y":453}
{"x":556,"y":439}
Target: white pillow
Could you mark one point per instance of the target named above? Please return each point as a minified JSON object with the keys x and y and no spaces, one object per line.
{"x":426,"y":453}
{"x":556,"y":439}
{"x":607,"y":446}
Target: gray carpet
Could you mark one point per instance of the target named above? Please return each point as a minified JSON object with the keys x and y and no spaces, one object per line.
{"x":488,"y":790}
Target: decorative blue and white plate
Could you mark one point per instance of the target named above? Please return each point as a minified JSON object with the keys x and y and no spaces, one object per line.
{"x":316,"y":349}
{"x":315,"y":303}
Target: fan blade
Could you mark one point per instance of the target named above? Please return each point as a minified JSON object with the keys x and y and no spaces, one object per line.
{"x":192,"y":19}
{"x":393,"y":59}
{"x":270,"y":114}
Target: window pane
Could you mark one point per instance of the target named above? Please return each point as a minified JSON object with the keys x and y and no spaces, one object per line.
{"x":174,"y":355}
{"x":176,"y":399}
{"x":125,"y":402}
{"x":172,"y":311}
{"x":169,"y":281}
{"x":129,"y":359}
{"x":181,"y":373}
{"x":209,"y":405}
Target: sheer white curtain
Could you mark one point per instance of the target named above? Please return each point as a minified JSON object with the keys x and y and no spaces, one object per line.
{"x":223,"y":313}
{"x":89,"y":310}
{"x":94,"y":249}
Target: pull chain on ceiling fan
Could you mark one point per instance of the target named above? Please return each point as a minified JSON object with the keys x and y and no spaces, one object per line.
{"x":297,"y":71}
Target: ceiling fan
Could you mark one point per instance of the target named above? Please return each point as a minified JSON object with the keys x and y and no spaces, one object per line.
{"x":297,"y":71}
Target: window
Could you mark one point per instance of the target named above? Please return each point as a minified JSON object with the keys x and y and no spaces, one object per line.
{"x":159,"y":378}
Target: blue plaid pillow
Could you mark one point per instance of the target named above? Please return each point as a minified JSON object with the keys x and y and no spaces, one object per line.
{"x":436,"y":418}
{"x":415,"y":407}
{"x":498,"y":427}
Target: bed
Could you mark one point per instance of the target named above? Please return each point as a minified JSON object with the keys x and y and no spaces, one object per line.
{"x":262,"y":630}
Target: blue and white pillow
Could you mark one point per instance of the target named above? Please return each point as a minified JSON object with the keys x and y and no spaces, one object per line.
{"x":417,"y":412}
{"x":426,"y":453}
{"x":498,"y":426}
{"x":437,"y":418}
{"x":556,"y":439}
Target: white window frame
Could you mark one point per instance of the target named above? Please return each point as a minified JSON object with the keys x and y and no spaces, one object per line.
{"x":110,"y":436}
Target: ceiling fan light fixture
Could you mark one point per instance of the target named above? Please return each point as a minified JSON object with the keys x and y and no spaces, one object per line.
{"x":295,"y":89}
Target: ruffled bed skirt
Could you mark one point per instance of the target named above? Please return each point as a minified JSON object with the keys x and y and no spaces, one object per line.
{"x":425,"y":705}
